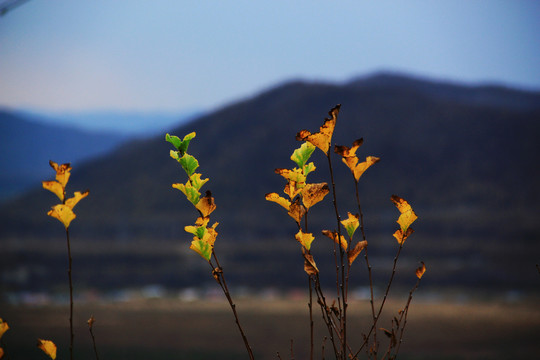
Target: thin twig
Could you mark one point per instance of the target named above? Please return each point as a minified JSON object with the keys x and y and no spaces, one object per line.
{"x":70,"y":262}
{"x":90,"y":327}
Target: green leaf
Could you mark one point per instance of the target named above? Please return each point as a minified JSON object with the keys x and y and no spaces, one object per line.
{"x":189,"y":164}
{"x":308,"y":168}
{"x":301,"y":155}
{"x":202,"y":248}
{"x":180,"y":145}
{"x":196,"y":181}
{"x":192,"y":194}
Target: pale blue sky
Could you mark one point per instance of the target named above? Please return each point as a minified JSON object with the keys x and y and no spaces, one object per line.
{"x":66,"y":55}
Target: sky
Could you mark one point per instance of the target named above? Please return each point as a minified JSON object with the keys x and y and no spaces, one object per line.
{"x":160,"y":55}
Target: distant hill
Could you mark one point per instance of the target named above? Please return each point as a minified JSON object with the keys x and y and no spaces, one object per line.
{"x":28,"y":145}
{"x":465,"y":157}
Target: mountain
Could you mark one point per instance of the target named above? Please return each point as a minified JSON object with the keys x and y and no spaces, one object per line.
{"x":466,"y":164}
{"x":27,"y":146}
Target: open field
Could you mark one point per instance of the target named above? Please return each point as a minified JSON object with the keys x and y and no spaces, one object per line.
{"x":171,"y":329}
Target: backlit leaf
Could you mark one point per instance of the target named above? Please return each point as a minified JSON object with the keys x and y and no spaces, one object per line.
{"x":55,"y":187}
{"x":62,"y":213}
{"x":309,"y":265}
{"x":314,"y":193}
{"x":305,"y":239}
{"x":48,"y":348}
{"x":180,"y":145}
{"x":192,"y":194}
{"x":348,"y":152}
{"x":197,"y":182}
{"x":291,"y":189}
{"x":3,"y":327}
{"x":198,"y":231}
{"x":202,"y":248}
{"x":407,"y":216}
{"x":421,"y":270}
{"x":297,"y":211}
{"x":301,"y":155}
{"x":62,"y":172}
{"x":351,"y":224}
{"x":189,"y":164}
{"x":77,"y":196}
{"x":354,"y":252}
{"x":323,"y":138}
{"x":1,"y":353}
{"x":278,"y":199}
{"x":206,"y":204}
{"x":363,"y":166}
{"x":295,"y":175}
{"x":334,"y":236}
{"x":402,"y":236}
{"x":308,"y":168}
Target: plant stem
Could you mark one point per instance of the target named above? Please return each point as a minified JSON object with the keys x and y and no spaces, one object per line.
{"x":220,"y":278}
{"x":343,"y":303}
{"x":70,"y":261}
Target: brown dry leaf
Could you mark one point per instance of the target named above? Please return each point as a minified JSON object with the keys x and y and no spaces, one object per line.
{"x":48,"y":348}
{"x":348,"y":152}
{"x":62,"y":213}
{"x":323,"y":138}
{"x":334,"y":236}
{"x":421,"y":270}
{"x":309,"y":265}
{"x":206,"y":204}
{"x":314,"y":193}
{"x":305,"y":239}
{"x":407,"y":216}
{"x":62,"y":172}
{"x":353,"y":254}
{"x":55,"y":187}
{"x":401,"y":237}
{"x":297,"y":211}
{"x":363,"y":166}
{"x":278,"y":199}
{"x":71,"y":202}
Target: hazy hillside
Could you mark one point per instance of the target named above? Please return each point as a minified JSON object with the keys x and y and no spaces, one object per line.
{"x":467,"y":164}
{"x":27,"y":146}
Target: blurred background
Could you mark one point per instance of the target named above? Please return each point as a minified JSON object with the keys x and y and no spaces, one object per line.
{"x":446,"y":93}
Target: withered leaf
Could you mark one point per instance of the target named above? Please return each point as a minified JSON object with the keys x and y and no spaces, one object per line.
{"x":63,"y":213}
{"x":62,"y":172}
{"x":206,"y":204}
{"x":323,"y":138}
{"x":48,"y":348}
{"x":309,"y":265}
{"x":401,"y":237}
{"x":334,"y":236}
{"x":55,"y":187}
{"x":3,"y":327}
{"x":314,"y":193}
{"x":305,"y":239}
{"x":348,"y":152}
{"x":421,"y":270}
{"x":353,"y":254}
{"x":363,"y":166}
{"x":297,"y":211}
{"x":407,"y":216}
{"x":77,"y":196}
{"x":278,"y":199}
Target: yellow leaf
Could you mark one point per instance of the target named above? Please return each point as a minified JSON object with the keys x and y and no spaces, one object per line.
{"x":334,"y":236}
{"x":278,"y":199}
{"x":304,"y":239}
{"x":3,"y":327}
{"x":62,"y":172}
{"x":1,"y":353}
{"x":309,"y":265}
{"x":202,"y":248}
{"x":206,"y":204}
{"x":348,"y":152}
{"x":323,"y":138}
{"x":295,"y":175}
{"x":363,"y":166}
{"x":48,"y":348}
{"x":55,"y":187}
{"x":297,"y":211}
{"x":291,"y":189}
{"x":314,"y":193}
{"x":353,"y":254}
{"x":62,"y":213}
{"x":402,"y":236}
{"x":71,"y":202}
{"x":351,"y":224}
{"x":407,"y":216}
{"x":421,"y":270}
